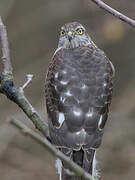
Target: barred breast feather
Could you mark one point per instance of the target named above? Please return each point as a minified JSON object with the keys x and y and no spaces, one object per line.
{"x":78,"y":93}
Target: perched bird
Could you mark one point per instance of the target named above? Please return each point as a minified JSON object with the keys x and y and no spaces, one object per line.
{"x":78,"y":90}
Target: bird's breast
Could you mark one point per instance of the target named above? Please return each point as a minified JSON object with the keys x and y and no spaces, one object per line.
{"x":77,"y":84}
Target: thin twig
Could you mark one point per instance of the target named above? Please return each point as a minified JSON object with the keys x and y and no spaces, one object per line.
{"x":45,"y":143}
{"x":112,"y":11}
{"x":13,"y":93}
{"x":29,"y":79}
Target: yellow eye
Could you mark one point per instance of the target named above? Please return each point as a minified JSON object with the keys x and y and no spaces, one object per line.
{"x":62,"y":33}
{"x":80,"y":31}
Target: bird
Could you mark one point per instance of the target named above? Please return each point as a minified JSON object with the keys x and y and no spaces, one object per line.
{"x":78,"y":93}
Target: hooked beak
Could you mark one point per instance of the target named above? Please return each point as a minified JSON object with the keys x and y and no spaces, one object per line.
{"x":70,"y":35}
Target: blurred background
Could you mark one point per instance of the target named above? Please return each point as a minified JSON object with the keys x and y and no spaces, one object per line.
{"x":33,"y":28}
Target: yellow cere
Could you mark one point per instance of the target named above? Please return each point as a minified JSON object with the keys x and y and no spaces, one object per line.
{"x":70,"y":33}
{"x":80,"y":31}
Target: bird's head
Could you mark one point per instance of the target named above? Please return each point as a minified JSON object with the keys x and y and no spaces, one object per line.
{"x":73,"y":35}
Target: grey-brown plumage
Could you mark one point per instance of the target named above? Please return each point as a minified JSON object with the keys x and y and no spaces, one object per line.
{"x":78,"y":94}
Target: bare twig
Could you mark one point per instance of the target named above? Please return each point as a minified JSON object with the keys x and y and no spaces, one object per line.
{"x":112,"y":11}
{"x":45,"y":143}
{"x":15,"y":94}
{"x":29,"y":79}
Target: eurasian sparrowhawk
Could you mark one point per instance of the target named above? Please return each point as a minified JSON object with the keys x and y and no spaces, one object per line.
{"x":78,"y":92}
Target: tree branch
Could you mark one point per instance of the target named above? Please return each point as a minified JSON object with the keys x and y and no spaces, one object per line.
{"x":115,"y":13}
{"x":45,"y":143}
{"x":13,"y":93}
{"x":7,"y":68}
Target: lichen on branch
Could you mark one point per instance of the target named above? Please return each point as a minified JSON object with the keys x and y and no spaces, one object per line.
{"x":13,"y":93}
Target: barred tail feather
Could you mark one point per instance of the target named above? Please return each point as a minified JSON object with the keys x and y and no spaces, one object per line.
{"x":85,"y":159}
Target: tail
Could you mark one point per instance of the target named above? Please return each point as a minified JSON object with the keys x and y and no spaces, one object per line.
{"x":84,"y":158}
